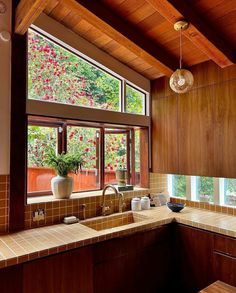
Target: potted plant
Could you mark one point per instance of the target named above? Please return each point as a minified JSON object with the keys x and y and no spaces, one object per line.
{"x":62,"y":184}
{"x":121,"y":175}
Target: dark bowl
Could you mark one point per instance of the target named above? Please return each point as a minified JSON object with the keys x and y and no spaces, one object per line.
{"x":175,"y":207}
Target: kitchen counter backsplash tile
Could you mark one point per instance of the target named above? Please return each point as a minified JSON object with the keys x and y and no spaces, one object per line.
{"x":159,"y":183}
{"x":4,"y":203}
{"x":206,"y":206}
{"x":56,"y":210}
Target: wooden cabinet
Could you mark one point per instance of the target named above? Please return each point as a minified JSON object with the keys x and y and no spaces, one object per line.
{"x":66,"y":272}
{"x":11,"y":279}
{"x":138,"y":263}
{"x":224,"y":259}
{"x":194,"y":133}
{"x":194,"y":258}
{"x":170,"y":258}
{"x":164,"y":132}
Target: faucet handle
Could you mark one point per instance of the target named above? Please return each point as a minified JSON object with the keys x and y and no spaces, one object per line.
{"x":106,"y":210}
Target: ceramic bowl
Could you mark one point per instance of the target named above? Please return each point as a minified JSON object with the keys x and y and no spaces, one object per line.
{"x":175,"y":207}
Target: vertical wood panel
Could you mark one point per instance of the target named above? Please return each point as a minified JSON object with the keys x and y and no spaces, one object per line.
{"x":164,"y":131}
{"x":194,"y":133}
{"x":18,"y":129}
{"x":144,"y":155}
{"x":225,"y":129}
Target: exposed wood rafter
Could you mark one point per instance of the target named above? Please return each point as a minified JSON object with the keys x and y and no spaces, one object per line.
{"x":106,"y":21}
{"x":205,"y":38}
{"x":26,"y":12}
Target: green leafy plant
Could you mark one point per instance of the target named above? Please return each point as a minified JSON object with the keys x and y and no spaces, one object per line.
{"x":64,"y":163}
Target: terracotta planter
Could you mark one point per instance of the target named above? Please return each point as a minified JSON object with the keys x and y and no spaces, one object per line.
{"x":62,"y":186}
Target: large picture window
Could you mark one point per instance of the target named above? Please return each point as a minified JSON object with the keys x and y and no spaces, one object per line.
{"x":73,"y":105}
{"x":57,"y":75}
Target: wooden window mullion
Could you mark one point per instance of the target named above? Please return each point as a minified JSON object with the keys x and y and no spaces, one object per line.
{"x":102,"y":158}
{"x":132,"y":146}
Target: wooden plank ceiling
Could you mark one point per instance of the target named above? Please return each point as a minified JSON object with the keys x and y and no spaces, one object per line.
{"x":140,"y":33}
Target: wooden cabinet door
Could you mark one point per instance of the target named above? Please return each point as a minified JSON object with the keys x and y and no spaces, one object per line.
{"x":224,"y":130}
{"x":138,"y":263}
{"x":196,"y":133}
{"x":224,"y":268}
{"x":11,"y":279}
{"x":164,"y":135}
{"x":194,"y":258}
{"x":66,"y":272}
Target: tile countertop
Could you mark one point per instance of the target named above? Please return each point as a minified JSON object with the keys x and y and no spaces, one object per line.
{"x":39,"y":242}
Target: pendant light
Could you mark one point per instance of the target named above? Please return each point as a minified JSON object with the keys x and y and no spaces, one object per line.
{"x":182,"y":79}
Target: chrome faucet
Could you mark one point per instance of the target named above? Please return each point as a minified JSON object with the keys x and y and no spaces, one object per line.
{"x":106,"y":210}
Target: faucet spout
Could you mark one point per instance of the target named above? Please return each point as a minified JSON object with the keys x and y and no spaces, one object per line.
{"x":105,"y":208}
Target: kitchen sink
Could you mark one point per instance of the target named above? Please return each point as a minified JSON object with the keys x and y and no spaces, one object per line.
{"x":114,"y":220}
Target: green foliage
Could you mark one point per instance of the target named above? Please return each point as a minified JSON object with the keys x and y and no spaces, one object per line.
{"x":58,"y":75}
{"x":205,"y":186}
{"x":231,"y":186}
{"x":134,"y":100}
{"x":64,"y":163}
{"x":83,"y":140}
{"x":39,"y":140}
{"x":115,"y":151}
{"x":179,"y":185}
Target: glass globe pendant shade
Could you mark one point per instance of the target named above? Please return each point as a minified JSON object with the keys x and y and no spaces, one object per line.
{"x":181,"y":81}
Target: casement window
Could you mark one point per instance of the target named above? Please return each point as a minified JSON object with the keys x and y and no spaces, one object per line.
{"x":74,"y":106}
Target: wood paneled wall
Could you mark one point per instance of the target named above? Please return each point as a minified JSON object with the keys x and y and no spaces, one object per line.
{"x":195,"y":133}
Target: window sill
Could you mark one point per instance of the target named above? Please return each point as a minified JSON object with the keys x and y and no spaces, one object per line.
{"x":88,"y":194}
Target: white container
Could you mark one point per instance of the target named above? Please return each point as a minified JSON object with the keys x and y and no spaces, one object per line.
{"x":62,"y":186}
{"x":145,"y":203}
{"x":136,"y":204}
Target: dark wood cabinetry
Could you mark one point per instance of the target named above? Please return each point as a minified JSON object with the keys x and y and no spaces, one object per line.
{"x":66,"y":272}
{"x":170,"y":258}
{"x":140,"y":263}
{"x":193,"y":256}
{"x":203,"y":257}
{"x":224,"y":259}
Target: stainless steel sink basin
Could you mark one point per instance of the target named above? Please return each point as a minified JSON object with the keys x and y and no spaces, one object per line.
{"x":115,"y":220}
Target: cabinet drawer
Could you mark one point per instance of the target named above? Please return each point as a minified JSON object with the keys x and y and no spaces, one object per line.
{"x":225,"y":245}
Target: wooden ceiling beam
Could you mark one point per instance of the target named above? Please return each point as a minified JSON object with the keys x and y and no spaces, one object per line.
{"x":26,"y":13}
{"x":122,"y":32}
{"x":199,"y":32}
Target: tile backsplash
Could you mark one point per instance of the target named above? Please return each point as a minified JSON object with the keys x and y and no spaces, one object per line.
{"x":4,"y":203}
{"x":158,"y":183}
{"x":56,"y":210}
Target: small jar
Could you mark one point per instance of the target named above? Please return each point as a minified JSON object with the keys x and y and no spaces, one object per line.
{"x":136,"y":204}
{"x":145,"y":203}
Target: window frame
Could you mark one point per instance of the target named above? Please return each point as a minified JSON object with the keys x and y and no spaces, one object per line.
{"x":123,"y":82}
{"x":145,"y":103}
{"x":21,"y":109}
{"x":62,"y":146}
{"x":219,"y":189}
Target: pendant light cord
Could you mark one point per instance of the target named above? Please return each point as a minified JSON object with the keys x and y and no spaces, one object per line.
{"x":180,"y":49}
